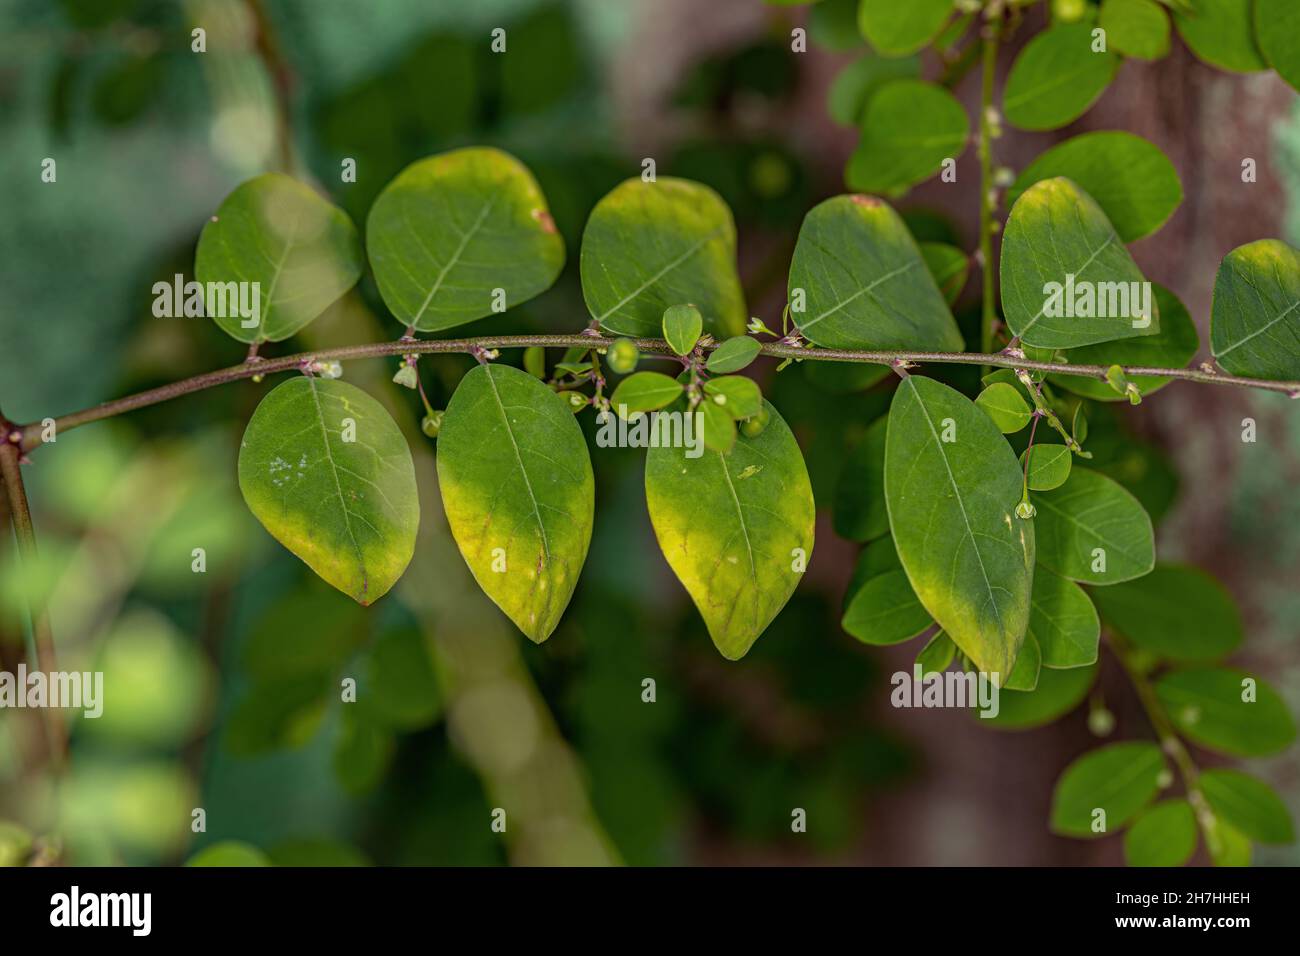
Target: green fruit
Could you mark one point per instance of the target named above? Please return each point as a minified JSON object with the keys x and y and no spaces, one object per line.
{"x":577,"y":401}
{"x":432,"y":424}
{"x":622,"y":356}
{"x":753,"y":427}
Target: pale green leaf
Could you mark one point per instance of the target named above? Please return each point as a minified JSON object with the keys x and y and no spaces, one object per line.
{"x":1249,"y":804}
{"x":1176,"y":612}
{"x":518,"y":491}
{"x":326,"y":470}
{"x":302,"y":251}
{"x":909,"y":127}
{"x":863,"y":282}
{"x":885,"y":611}
{"x":736,"y":529}
{"x":682,"y":327}
{"x":1056,"y":77}
{"x":1227,"y":710}
{"x":1004,"y":406}
{"x":1136,"y":28}
{"x":1063,"y":621}
{"x":1228,"y":846}
{"x":1118,"y":779}
{"x":951,"y":504}
{"x":648,"y":246}
{"x":1255,"y":320}
{"x":1163,"y":835}
{"x":457,"y":236}
{"x":644,"y":392}
{"x":1092,"y":530}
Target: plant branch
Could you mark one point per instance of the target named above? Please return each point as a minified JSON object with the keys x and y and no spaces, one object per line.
{"x":29,"y":436}
{"x":989,"y":37}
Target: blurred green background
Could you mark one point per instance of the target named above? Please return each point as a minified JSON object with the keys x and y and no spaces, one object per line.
{"x":224,"y":685}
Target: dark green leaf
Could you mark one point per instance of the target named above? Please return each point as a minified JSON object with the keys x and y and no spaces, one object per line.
{"x":909,"y":127}
{"x":1058,"y":692}
{"x":1249,"y":804}
{"x":1093,"y":531}
{"x":1176,"y":612}
{"x":1056,"y":77}
{"x":1207,"y":705}
{"x":885,"y":611}
{"x":1277,"y":30}
{"x":858,"y":82}
{"x":1222,"y":33}
{"x":859,"y":510}
{"x":949,"y":266}
{"x":1119,"y":779}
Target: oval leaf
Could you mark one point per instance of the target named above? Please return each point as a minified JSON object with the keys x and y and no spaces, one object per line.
{"x":648,"y":246}
{"x":897,"y":29}
{"x":1004,"y":407}
{"x":1056,"y":77}
{"x":1093,"y":531}
{"x":1063,"y":621}
{"x":301,"y":251}
{"x":937,"y":655}
{"x":1222,"y":33}
{"x":682,"y":327}
{"x":518,"y":491}
{"x":1249,"y":804}
{"x":885,"y":611}
{"x":1056,"y":231}
{"x":1136,"y":28}
{"x":1176,"y":612}
{"x":1119,"y":779}
{"x":854,"y":85}
{"x":644,"y":392}
{"x":909,"y":128}
{"x":1049,"y":466}
{"x":736,"y":395}
{"x":454,"y":232}
{"x":733,"y":355}
{"x":862,"y":283}
{"x":1164,"y":835}
{"x":328,"y":473}
{"x":1227,"y":710}
{"x":1255,"y":319}
{"x":1132,"y":181}
{"x":1277,"y":28}
{"x":736,"y":529}
{"x":951,"y":484}
{"x":1058,"y":692}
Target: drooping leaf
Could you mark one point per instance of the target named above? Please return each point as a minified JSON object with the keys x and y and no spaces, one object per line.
{"x":1058,"y":692}
{"x":858,"y":82}
{"x":951,"y":485}
{"x":648,"y":246}
{"x":644,"y":392}
{"x":1029,"y":663}
{"x":1172,"y":347}
{"x":859,"y":510}
{"x":1132,"y":181}
{"x":1136,"y":28}
{"x":1162,"y":835}
{"x":302,"y":251}
{"x":1222,"y":33}
{"x":949,"y":266}
{"x":1093,"y":531}
{"x":736,"y":529}
{"x":1063,"y":621}
{"x":1119,"y":779}
{"x":1056,"y":231}
{"x":1176,"y":611}
{"x":458,"y":236}
{"x":897,"y":29}
{"x":1056,"y":77}
{"x":863,"y":283}
{"x":937,"y":655}
{"x":738,"y":396}
{"x":1004,"y":406}
{"x":1049,"y":466}
{"x":1255,"y":319}
{"x":1227,"y":710}
{"x":1249,"y":804}
{"x":682,"y":327}
{"x":1277,"y":30}
{"x":909,"y":127}
{"x":518,"y":490}
{"x":885,"y":611}
{"x":733,"y":355}
{"x":329,"y":475}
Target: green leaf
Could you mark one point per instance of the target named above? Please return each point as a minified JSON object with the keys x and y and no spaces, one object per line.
{"x":950,"y":503}
{"x":1136,"y":28}
{"x":1119,"y":779}
{"x":644,"y":392}
{"x":1056,"y":77}
{"x":833,"y":25}
{"x":733,"y":355}
{"x":909,"y":127}
{"x":1222,"y":33}
{"x":857,"y":83}
{"x":1056,"y":231}
{"x":860,"y":277}
{"x":949,"y":266}
{"x":682,"y":327}
{"x":876,"y":558}
{"x":1063,"y":621}
{"x":1029,"y":662}
{"x":718,"y":427}
{"x":1093,"y":531}
{"x":518,"y":491}
{"x":1228,"y":846}
{"x":1173,"y":346}
{"x":885,"y":611}
{"x":1277,"y":30}
{"x":1177,"y":612}
{"x":897,"y":29}
{"x":1049,"y":466}
{"x":302,"y":251}
{"x":648,"y":246}
{"x":1058,"y":692}
{"x":401,"y":690}
{"x":736,"y":529}
{"x":1207,"y":705}
{"x":1132,"y":181}
{"x":859,"y":510}
{"x":229,"y":853}
{"x":1255,"y":319}
{"x":736,"y":395}
{"x":1004,"y":406}
{"x":327,"y":472}
{"x":1163,"y":835}
{"x":937,"y":655}
{"x":453,"y":233}
{"x":1249,"y":804}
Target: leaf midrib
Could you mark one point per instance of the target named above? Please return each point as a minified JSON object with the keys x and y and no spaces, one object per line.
{"x":338,"y":486}
{"x":528,"y":485}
